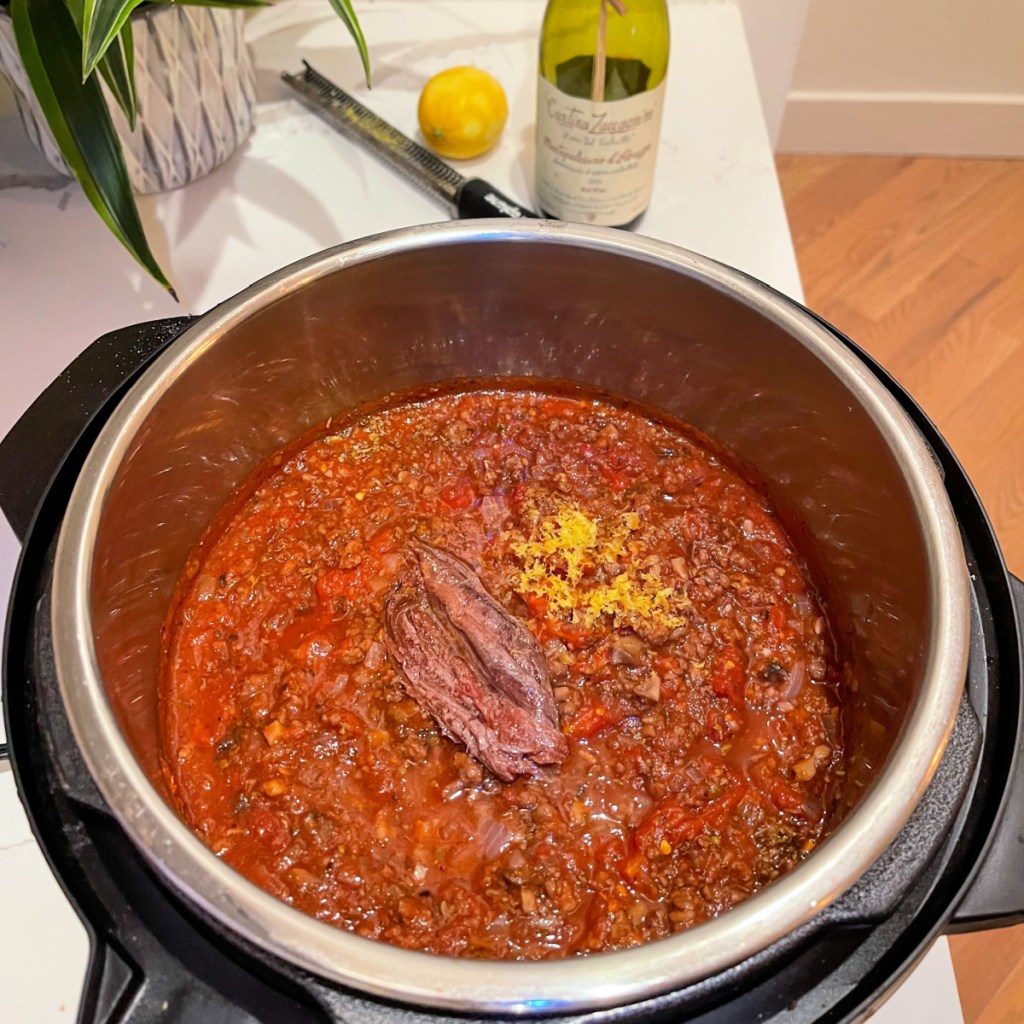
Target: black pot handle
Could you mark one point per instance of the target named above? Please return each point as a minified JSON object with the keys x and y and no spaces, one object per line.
{"x":996,"y":896}
{"x":38,"y":442}
{"x":116,"y":992}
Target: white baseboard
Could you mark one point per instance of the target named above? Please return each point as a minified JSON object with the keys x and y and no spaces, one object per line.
{"x":945,"y":124}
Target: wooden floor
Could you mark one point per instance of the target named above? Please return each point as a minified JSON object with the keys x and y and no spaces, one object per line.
{"x":921,"y":261}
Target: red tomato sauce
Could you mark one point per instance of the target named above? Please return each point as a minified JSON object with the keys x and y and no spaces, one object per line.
{"x":690,"y":659}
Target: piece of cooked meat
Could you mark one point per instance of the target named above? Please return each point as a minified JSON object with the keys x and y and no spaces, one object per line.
{"x":444,"y":675}
{"x":508,"y":651}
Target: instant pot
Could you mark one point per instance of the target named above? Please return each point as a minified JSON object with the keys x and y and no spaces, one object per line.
{"x":112,"y":475}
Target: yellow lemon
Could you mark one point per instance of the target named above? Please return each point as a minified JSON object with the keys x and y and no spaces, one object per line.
{"x":462,"y":112}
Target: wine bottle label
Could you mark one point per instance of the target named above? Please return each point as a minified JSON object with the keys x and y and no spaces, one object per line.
{"x":595,"y":161}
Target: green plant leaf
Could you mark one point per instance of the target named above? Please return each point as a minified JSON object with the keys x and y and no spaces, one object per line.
{"x":50,"y":49}
{"x":102,"y":21}
{"x":217,"y":3}
{"x":118,"y":70}
{"x":117,"y":66}
{"x":345,"y":11}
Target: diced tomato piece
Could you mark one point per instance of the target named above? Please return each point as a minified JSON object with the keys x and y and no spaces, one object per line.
{"x":777,"y":619}
{"x":728,"y":678}
{"x":269,"y":829}
{"x":571,"y":633}
{"x":616,"y":481}
{"x":674,"y":824}
{"x":589,"y":721}
{"x":335,"y":582}
{"x":787,"y":799}
{"x":458,"y":494}
{"x":383,"y":541}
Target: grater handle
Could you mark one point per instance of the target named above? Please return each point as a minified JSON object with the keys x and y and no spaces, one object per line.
{"x":478,"y":198}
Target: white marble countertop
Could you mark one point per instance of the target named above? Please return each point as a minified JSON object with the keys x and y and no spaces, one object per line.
{"x":297,"y":187}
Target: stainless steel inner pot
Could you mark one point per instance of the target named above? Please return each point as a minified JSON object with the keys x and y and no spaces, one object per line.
{"x":641,"y":318}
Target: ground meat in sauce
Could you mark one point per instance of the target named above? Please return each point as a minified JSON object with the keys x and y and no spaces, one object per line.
{"x":693,"y":677}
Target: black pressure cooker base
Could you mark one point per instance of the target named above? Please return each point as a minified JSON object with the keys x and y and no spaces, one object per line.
{"x":156,"y":956}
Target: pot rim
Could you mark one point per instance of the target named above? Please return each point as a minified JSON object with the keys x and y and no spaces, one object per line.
{"x":515,"y":988}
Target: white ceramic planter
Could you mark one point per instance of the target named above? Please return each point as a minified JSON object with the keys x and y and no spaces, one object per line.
{"x":196,"y":94}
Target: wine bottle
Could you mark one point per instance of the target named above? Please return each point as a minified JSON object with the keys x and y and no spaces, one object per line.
{"x":599,"y":99}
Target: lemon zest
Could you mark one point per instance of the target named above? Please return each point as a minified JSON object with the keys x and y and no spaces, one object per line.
{"x":584,"y":568}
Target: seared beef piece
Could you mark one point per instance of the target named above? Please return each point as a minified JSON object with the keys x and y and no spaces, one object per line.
{"x":448,"y":681}
{"x":508,"y":651}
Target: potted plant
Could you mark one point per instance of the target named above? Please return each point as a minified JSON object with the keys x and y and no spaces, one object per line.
{"x":76,"y":67}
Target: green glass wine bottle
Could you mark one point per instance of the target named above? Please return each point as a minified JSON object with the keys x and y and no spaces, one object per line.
{"x":599,"y":101}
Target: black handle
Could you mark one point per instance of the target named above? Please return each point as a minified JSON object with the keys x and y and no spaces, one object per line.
{"x":37,"y":443}
{"x":117,"y":992}
{"x":478,"y":198}
{"x":996,"y":896}
{"x":110,"y":985}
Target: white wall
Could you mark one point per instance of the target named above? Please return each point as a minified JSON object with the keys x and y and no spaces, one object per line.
{"x":774,"y":29}
{"x":909,"y":76}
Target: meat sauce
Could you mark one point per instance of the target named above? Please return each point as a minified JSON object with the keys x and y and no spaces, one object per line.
{"x":689,"y":660}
